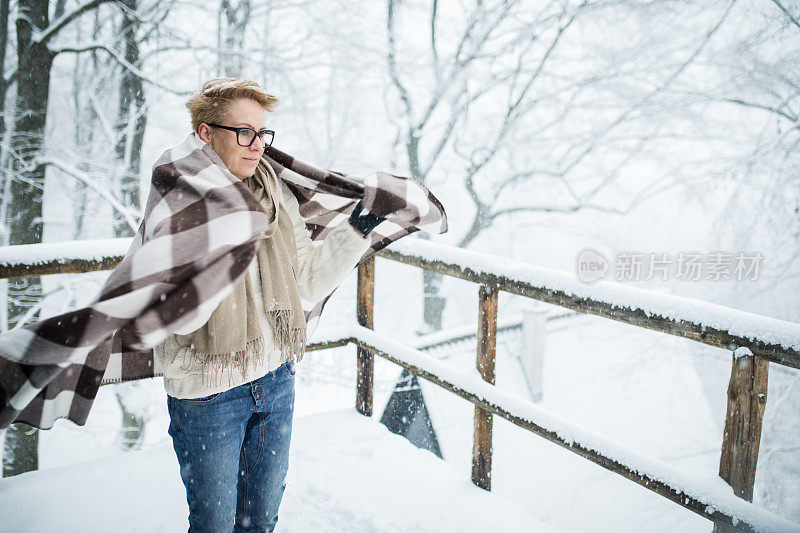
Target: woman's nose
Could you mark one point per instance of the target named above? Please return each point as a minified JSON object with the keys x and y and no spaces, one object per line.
{"x":257,"y":144}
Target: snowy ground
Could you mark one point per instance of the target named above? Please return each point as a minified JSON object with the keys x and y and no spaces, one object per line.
{"x":347,"y":473}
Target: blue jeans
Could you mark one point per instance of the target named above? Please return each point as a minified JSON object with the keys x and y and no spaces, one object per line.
{"x":233,"y":450}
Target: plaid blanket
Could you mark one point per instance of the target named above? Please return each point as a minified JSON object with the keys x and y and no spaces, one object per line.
{"x":200,"y":231}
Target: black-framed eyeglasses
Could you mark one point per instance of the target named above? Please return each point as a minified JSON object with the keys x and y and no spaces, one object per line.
{"x":247,"y":136}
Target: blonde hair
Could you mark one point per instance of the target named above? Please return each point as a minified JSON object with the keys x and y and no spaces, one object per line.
{"x":211,"y":104}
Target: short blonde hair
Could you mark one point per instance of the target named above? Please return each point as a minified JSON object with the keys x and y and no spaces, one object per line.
{"x":211,"y":104}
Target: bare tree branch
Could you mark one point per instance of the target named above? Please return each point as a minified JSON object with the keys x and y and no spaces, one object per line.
{"x":510,"y":116}
{"x":31,"y":312}
{"x":52,"y":30}
{"x":434,"y":51}
{"x":392,"y":62}
{"x":551,"y":209}
{"x":512,"y":113}
{"x":460,"y":66}
{"x":121,"y":60}
{"x":775,"y":110}
{"x":590,"y":147}
{"x":786,"y":12}
{"x":130,"y":214}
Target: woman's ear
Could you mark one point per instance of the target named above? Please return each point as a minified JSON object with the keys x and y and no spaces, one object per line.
{"x":204,"y":131}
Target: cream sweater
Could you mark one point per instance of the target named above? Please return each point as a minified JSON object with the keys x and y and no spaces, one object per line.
{"x":322,"y":268}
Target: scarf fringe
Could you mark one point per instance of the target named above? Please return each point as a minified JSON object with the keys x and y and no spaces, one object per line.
{"x":290,"y":341}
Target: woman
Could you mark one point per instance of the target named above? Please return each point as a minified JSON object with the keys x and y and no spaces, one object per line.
{"x":230,"y":383}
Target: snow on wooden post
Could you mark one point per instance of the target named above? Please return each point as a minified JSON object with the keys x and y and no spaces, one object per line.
{"x":534,"y":320}
{"x":487,"y":336}
{"x":747,"y":397}
{"x":365,"y":296}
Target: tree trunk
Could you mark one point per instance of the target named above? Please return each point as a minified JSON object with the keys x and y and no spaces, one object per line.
{"x":5,"y":182}
{"x":4,"y":12}
{"x":233,"y":18}
{"x":131,"y":121}
{"x":21,"y":450}
{"x":130,"y":126}
{"x":26,"y":225}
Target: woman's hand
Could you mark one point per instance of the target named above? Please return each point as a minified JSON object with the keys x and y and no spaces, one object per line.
{"x":363,"y":222}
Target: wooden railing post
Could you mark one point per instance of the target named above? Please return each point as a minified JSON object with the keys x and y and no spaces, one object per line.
{"x":747,"y":398}
{"x":487,"y":335}
{"x":365,"y":295}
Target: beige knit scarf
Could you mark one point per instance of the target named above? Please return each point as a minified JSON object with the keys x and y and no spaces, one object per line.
{"x":233,"y":337}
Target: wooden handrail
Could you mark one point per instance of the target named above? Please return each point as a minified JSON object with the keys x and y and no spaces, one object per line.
{"x":470,"y":268}
{"x":72,"y":257}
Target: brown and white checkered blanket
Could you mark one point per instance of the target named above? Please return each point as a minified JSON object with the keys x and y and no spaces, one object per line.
{"x":201,"y":229}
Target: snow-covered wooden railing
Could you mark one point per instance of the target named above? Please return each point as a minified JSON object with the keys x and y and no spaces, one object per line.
{"x":711,"y":498}
{"x":716,"y":325}
{"x":71,"y":257}
{"x":754,"y":340}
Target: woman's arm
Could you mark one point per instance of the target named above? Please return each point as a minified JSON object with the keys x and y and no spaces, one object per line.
{"x":323,"y":267}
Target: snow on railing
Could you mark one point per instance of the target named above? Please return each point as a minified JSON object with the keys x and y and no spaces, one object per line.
{"x":717,"y":325}
{"x":512,"y":276}
{"x":61,"y":257}
{"x":63,"y":252}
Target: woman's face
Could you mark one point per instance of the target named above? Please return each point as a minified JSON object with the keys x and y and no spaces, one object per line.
{"x":240,"y":160}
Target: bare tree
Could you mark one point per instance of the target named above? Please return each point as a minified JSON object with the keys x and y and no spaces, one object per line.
{"x":131,"y":115}
{"x":429,"y":119}
{"x":757,"y":88}
{"x":499,"y":89}
{"x":135,"y":23}
{"x":36,"y":33}
{"x":760,"y":84}
{"x":34,"y":61}
{"x":233,"y":18}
